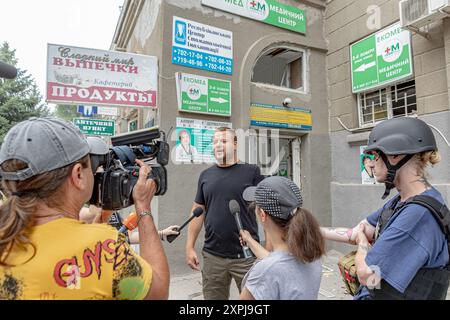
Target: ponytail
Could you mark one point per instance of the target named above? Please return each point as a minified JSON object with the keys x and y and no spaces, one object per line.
{"x":304,"y":238}
{"x":302,"y":235}
{"x":16,"y":218}
{"x":424,"y":159}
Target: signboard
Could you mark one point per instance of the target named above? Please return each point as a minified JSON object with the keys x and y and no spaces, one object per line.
{"x":195,"y":140}
{"x":265,"y":115}
{"x":87,"y":111}
{"x":381,"y":58}
{"x":108,"y":111}
{"x":201,"y":46}
{"x":267,"y":11}
{"x":203,"y":95}
{"x":367,"y":176}
{"x":95,"y":127}
{"x":97,"y":77}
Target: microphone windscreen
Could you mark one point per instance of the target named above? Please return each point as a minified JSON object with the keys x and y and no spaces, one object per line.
{"x":131,"y":222}
{"x":7,"y":71}
{"x":197,"y":212}
{"x":234,"y":206}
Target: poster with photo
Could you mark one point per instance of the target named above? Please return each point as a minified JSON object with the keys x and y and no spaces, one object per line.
{"x":194,"y":140}
{"x":366,"y":171}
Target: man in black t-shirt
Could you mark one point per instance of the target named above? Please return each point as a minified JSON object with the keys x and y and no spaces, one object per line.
{"x":223,"y":258}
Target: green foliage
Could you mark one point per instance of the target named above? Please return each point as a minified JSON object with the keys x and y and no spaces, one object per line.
{"x":20,"y":98}
{"x":66,"y":112}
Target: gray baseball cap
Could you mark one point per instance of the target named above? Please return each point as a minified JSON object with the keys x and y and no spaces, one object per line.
{"x":44,"y":144}
{"x":278,"y":196}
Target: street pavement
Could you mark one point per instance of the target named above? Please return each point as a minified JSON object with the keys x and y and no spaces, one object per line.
{"x":189,"y":286}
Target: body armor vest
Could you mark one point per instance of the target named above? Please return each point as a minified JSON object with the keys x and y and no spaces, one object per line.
{"x":428,"y":283}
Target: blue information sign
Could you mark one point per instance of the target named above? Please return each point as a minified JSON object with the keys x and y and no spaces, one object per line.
{"x":201,"y":46}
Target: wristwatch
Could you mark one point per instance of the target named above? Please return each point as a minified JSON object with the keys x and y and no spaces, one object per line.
{"x":145,"y":213}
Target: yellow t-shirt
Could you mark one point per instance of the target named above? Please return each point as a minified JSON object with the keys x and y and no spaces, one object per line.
{"x":74,"y":260}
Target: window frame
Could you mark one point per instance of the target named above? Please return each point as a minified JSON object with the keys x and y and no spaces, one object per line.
{"x":130,"y":122}
{"x":391,"y":89}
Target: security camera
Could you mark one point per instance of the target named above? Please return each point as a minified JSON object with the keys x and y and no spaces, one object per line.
{"x":287,"y":102}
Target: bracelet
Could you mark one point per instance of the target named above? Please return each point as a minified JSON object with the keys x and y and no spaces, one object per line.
{"x":145,"y":213}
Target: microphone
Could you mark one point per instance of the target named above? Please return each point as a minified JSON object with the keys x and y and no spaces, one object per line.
{"x":196,"y":213}
{"x":236,"y":212}
{"x":130,"y":223}
{"x":7,"y":71}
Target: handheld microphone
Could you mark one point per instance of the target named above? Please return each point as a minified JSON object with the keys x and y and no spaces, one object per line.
{"x":7,"y":71}
{"x":130,"y":223}
{"x":236,"y":212}
{"x":196,"y":213}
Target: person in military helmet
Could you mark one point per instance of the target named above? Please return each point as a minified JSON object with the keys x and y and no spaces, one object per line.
{"x":402,"y":251}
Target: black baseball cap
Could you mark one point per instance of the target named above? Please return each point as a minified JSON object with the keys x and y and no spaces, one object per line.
{"x":277,"y":196}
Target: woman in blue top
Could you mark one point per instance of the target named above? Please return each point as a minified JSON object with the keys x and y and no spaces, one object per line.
{"x":409,"y":249}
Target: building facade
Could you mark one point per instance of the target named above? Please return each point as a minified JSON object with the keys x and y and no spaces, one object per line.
{"x":275,"y":64}
{"x":424,"y":93}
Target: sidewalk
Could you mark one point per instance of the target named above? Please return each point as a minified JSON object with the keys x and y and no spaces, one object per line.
{"x":189,"y":287}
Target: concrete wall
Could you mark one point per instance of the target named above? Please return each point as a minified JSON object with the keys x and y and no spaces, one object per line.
{"x":346,"y":22}
{"x":249,"y":40}
{"x":352,"y":201}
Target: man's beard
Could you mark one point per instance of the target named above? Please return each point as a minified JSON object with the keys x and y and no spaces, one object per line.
{"x":224,"y":159}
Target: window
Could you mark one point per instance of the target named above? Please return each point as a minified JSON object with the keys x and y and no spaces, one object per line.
{"x":394,"y":101}
{"x":281,"y":67}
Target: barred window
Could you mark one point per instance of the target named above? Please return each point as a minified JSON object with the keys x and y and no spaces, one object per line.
{"x":386,"y":103}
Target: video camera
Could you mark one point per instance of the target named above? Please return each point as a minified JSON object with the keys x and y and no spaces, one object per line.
{"x":113,"y":187}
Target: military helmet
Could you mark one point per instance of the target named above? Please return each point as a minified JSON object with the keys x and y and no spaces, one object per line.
{"x":401,"y":136}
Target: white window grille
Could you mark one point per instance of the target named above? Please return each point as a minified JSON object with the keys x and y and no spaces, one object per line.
{"x":394,"y":101}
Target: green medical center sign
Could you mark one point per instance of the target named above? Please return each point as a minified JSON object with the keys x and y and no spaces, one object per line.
{"x":203,"y":95}
{"x":381,"y":58}
{"x":267,"y":11}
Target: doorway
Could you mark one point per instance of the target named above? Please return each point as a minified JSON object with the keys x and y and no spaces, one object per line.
{"x":276,"y":155}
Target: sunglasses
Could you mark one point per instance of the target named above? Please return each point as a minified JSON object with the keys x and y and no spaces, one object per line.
{"x":375,"y":155}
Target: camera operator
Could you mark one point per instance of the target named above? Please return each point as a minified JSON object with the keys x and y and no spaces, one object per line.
{"x":45,"y":251}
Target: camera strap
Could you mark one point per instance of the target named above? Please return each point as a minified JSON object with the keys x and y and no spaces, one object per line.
{"x":125,"y":155}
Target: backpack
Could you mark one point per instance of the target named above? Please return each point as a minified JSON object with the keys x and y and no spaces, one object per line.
{"x":347,"y":270}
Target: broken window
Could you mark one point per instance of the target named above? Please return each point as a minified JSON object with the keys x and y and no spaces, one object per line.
{"x":281,"y":67}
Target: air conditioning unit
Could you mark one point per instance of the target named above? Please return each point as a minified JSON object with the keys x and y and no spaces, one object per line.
{"x":419,"y":13}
